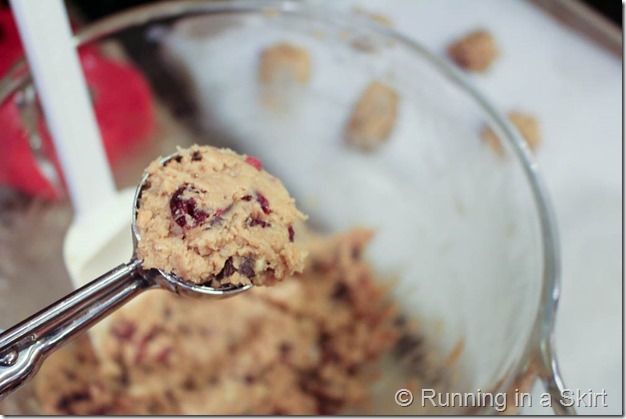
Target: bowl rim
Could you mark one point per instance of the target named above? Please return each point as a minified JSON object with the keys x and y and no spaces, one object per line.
{"x":539,"y":353}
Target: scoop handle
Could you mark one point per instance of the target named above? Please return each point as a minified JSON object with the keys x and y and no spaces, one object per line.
{"x":47,"y":37}
{"x":24,"y":346}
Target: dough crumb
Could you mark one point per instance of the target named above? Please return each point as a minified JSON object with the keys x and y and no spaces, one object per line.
{"x":526,"y":124}
{"x":373,"y":118}
{"x":211,"y":216}
{"x":284,"y":64}
{"x":376,"y":17}
{"x":474,"y":52}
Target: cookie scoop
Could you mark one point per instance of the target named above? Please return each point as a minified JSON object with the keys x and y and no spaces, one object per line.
{"x":238,"y":236}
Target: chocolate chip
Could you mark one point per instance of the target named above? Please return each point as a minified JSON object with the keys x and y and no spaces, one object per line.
{"x":341,"y":291}
{"x":228,"y":269}
{"x":177,"y":159}
{"x":189,"y":384}
{"x":356,"y":252}
{"x":65,"y":403}
{"x":196,"y":156}
{"x":167,"y":313}
{"x":408,"y":344}
{"x":124,"y":378}
{"x":253,"y":222}
{"x":247,"y":267}
{"x":400,"y":321}
{"x":324,"y":338}
{"x":285,"y":348}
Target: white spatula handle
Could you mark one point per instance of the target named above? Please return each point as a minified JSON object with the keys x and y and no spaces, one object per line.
{"x":54,"y":64}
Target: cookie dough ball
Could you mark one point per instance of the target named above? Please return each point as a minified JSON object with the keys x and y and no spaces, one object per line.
{"x":526,"y":124}
{"x":284,"y":63}
{"x":211,"y":216}
{"x":373,"y":118}
{"x":475,"y":51}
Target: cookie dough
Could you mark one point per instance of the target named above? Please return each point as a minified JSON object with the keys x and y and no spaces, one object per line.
{"x":474,"y":52}
{"x":306,"y":346}
{"x":373,"y":117}
{"x":376,"y":17}
{"x":284,"y":63}
{"x":526,"y":124}
{"x":213,"y":217}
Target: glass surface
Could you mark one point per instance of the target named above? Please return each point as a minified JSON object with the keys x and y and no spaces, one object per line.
{"x":458,"y":228}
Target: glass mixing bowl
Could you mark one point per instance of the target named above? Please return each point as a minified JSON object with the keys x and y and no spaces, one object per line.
{"x":469,"y":237}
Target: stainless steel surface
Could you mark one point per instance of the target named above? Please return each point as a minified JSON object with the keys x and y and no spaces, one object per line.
{"x":24,"y":346}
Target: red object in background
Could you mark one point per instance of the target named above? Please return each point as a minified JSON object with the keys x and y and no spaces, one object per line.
{"x":10,"y":45}
{"x":122,"y":103}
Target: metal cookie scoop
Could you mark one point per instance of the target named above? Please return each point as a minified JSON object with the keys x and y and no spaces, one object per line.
{"x":24,"y":346}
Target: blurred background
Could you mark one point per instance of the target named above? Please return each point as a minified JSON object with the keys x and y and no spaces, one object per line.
{"x":94,"y":9}
{"x":581,"y":163}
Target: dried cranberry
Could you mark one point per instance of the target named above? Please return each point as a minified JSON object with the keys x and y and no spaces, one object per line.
{"x":265,"y":205}
{"x":181,"y":207}
{"x":141,"y":352}
{"x":329,"y":358}
{"x":247,"y":267}
{"x":100,"y":411}
{"x":247,"y":198}
{"x":196,"y":156}
{"x":164,"y":355}
{"x":292,"y":233}
{"x":249,"y":379}
{"x":253,"y":161}
{"x":123,"y":330}
{"x":253,"y":222}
